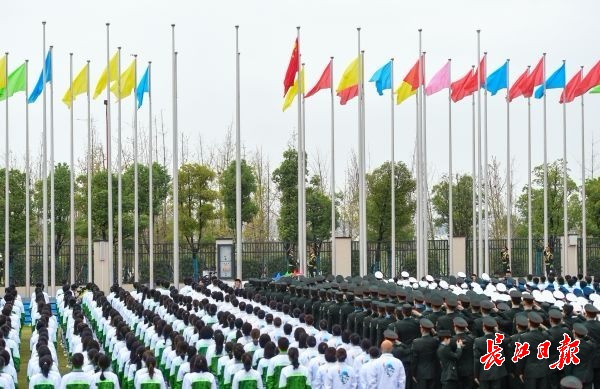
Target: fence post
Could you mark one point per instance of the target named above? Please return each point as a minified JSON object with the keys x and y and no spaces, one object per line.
{"x":458,"y":262}
{"x":343,"y":253}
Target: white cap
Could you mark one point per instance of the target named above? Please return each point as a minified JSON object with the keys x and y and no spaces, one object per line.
{"x":594,"y":297}
{"x":558,"y":295}
{"x":461,"y":274}
{"x":404,"y":274}
{"x":412,"y":280}
{"x":571,"y":297}
{"x":432,"y":286}
{"x":443,"y":284}
{"x":559,"y":303}
{"x":378,"y":275}
{"x":485,"y":277}
{"x":501,"y":288}
{"x":415,"y":285}
{"x":464,"y":285}
{"x":429,"y":278}
{"x":423,"y":284}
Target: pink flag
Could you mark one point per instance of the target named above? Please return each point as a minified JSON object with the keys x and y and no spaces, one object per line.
{"x":440,"y":81}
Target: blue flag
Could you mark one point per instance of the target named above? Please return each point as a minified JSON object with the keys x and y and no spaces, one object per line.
{"x":558,"y":79}
{"x":39,"y":86}
{"x":498,"y":79}
{"x":143,"y":87}
{"x":383,"y":78}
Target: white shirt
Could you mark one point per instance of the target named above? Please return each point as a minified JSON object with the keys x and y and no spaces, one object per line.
{"x":244,"y":375}
{"x":53,"y":379}
{"x":386,"y":372}
{"x":190,"y":378}
{"x":108,"y":376}
{"x":340,"y":376}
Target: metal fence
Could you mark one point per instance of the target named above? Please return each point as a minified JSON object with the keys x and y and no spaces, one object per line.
{"x":592,"y":253}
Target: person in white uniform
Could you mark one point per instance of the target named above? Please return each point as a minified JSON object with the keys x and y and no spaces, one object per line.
{"x":386,"y":371}
{"x":46,"y":376}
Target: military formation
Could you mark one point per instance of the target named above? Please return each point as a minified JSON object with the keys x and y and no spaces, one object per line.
{"x":443,"y":328}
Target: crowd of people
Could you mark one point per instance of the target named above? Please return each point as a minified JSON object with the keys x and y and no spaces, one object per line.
{"x":319,"y":332}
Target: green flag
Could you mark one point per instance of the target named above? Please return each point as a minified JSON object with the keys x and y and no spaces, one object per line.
{"x":16,"y":83}
{"x":595,"y":89}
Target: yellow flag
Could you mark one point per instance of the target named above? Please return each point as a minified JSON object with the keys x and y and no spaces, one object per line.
{"x":3,"y":72}
{"x":350,"y":76}
{"x":404,"y":91}
{"x":114,"y":73}
{"x":127,"y":82}
{"x":293,"y":91}
{"x":79,"y":86}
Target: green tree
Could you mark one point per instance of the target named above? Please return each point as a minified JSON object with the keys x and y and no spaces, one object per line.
{"x":555,"y":202}
{"x":99,"y":205}
{"x":16,"y":219}
{"x":196,"y":203}
{"x":318,"y":219}
{"x":592,"y":195}
{"x":228,"y":193}
{"x":462,"y":198}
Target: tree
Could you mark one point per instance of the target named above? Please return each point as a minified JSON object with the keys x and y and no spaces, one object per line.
{"x":228,"y":193}
{"x":99,"y":205}
{"x":348,"y":199}
{"x":62,"y":204}
{"x":555,"y":202}
{"x":592,"y":194}
{"x":318,"y":219}
{"x":462,"y":197}
{"x":196,"y":203}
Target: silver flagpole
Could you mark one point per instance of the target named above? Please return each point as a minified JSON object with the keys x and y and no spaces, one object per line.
{"x":480,"y":257}
{"x":545,"y":160}
{"x":362,"y":168}
{"x":301,"y":252}
{"x":175,"y":167}
{"x":71,"y":179}
{"x":6,"y":188}
{"x":485,"y":174}
{"x":474,"y":184}
{"x":150,"y":185}
{"x":529,"y":208}
{"x":565,"y":257}
{"x":119,"y":179}
{"x":508,"y":173}
{"x":52,"y":198}
{"x":89,"y":178}
{"x":425,"y":194}
{"x":450,"y":172}
{"x":44,"y":165}
{"x":583,"y":199}
{"x":303,"y":266}
{"x":332,"y":179}
{"x":136,"y":222}
{"x":392,"y":176}
{"x":27,"y":228}
{"x":111,"y":275}
{"x":421,"y":255}
{"x":238,"y":162}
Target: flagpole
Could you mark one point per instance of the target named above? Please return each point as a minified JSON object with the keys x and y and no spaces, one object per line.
{"x":425,"y":193}
{"x":473,"y":186}
{"x":583,"y":199}
{"x":480,"y":259}
{"x":119,"y":178}
{"x":150,"y":184}
{"x":392,"y":175}
{"x":565,"y":257}
{"x":111,"y":275}
{"x":44,"y":166}
{"x":485,"y":174}
{"x":300,"y":250}
{"x":361,"y":163}
{"x":332,"y":179}
{"x":545,"y":161}
{"x":421,"y":255}
{"x":529,"y":210}
{"x":6,"y":188}
{"x":27,"y":228}
{"x":303,"y":266}
{"x":136,"y":223}
{"x":238,"y":162}
{"x":175,"y":166}
{"x":52,"y":194}
{"x":89,"y":178}
{"x":508,"y":172}
{"x":450,"y":172}
{"x":71,"y":178}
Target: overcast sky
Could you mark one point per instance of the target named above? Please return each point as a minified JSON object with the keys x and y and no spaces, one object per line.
{"x":515,"y":29}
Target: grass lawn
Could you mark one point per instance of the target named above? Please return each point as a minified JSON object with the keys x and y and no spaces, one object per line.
{"x":26,"y":353}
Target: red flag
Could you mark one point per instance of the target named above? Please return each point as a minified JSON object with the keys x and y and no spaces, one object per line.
{"x":516,"y":89}
{"x":482,"y":71}
{"x":323,"y":83}
{"x":348,"y":94}
{"x":572,"y":88}
{"x":458,"y":86}
{"x":535,"y":78}
{"x":591,"y":79}
{"x":292,"y":69}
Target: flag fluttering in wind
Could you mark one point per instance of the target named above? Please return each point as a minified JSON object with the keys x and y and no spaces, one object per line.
{"x":113,"y":73}
{"x":595,"y":89}
{"x":383,"y":78}
{"x":292,"y":69}
{"x":498,"y":79}
{"x":3,"y":72}
{"x":127,"y":81}
{"x":410,"y":83}
{"x":441,"y":80}
{"x":591,"y":79}
{"x":348,"y":86}
{"x":323,"y":83}
{"x":558,"y":79}
{"x":536,"y":77}
{"x":572,"y":88}
{"x":79,"y":86}
{"x":15,"y":83}
{"x":516,"y":89}
{"x":39,"y":85}
{"x":143,"y":87}
{"x":292,"y":92}
{"x":464,"y":86}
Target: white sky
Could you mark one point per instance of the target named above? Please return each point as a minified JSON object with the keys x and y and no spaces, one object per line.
{"x":515,"y":29}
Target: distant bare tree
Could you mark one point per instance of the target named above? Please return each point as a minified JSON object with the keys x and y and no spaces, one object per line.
{"x":348,"y":199}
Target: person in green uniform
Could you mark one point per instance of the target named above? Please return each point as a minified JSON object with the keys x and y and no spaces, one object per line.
{"x":448,"y":359}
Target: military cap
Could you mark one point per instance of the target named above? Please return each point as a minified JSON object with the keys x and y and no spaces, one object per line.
{"x":522,"y":320}
{"x":489,"y":322}
{"x":389,"y":334}
{"x":444,"y":334}
{"x":535,"y":318}
{"x":426,"y":323}
{"x":452,"y":301}
{"x":589,"y":308}
{"x":528,"y":297}
{"x":515,"y":294}
{"x":407,"y":307}
{"x":460,"y":322}
{"x":487,"y":304}
{"x":436,"y":300}
{"x":571,"y":382}
{"x":503,"y":307}
{"x":555,"y":314}
{"x":580,"y":329}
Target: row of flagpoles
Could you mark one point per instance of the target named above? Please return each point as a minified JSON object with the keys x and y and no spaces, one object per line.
{"x":351,"y":84}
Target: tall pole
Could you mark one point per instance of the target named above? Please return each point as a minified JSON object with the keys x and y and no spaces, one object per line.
{"x":119,"y":179}
{"x":52,"y":198}
{"x":474,"y":184}
{"x":508,"y":173}
{"x":565,"y":257}
{"x":175,"y":166}
{"x":425,"y":193}
{"x":480,"y":259}
{"x":362,"y":203}
{"x":332,"y":178}
{"x":90,"y":157}
{"x":486,"y":191}
{"x":583,"y":199}
{"x":304,"y":263}
{"x":238,"y":162}
{"x":71,"y":179}
{"x":44,"y":165}
{"x":301,"y":254}
{"x":545,"y":160}
{"x":27,"y":228}
{"x":450,"y":172}
{"x":421,"y":254}
{"x":529,"y":208}
{"x":136,"y":223}
{"x":6,"y":188}
{"x":392,"y":176}
{"x":150,"y":186}
{"x":111,"y":275}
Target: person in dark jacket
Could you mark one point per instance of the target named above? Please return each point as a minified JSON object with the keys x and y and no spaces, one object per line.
{"x":424,"y":362}
{"x":593,"y":327}
{"x":533,"y":371}
{"x":494,"y":377}
{"x":448,"y":360}
{"x":587,"y":349}
{"x":464,"y":365}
